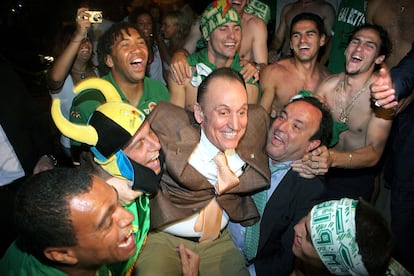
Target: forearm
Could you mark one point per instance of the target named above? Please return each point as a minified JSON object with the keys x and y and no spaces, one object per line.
{"x":363,"y":157}
{"x":63,"y":64}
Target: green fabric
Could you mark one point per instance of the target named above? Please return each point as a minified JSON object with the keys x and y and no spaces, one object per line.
{"x":87,"y":101}
{"x":216,"y":14}
{"x":333,"y":234}
{"x":258,"y":9}
{"x":396,"y":269}
{"x":18,"y":263}
{"x":251,"y":241}
{"x":351,"y":13}
{"x":141,"y":224}
{"x":202,"y":57}
{"x":338,"y":127}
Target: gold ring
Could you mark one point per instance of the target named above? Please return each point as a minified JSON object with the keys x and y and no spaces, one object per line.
{"x":78,"y":17}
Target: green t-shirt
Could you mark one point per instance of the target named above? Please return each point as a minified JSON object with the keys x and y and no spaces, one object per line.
{"x":86,"y":102}
{"x":202,"y":57}
{"x":18,"y":263}
{"x":351,"y":14}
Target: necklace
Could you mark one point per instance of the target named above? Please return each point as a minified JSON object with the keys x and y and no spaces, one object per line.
{"x":345,"y":111}
{"x":82,"y":74}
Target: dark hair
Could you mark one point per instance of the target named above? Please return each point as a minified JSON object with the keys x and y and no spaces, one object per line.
{"x":42,"y":213}
{"x":386,"y":44}
{"x":324,"y":133}
{"x":374,"y":238}
{"x":108,"y":39}
{"x":225,"y":73}
{"x":311,"y":17}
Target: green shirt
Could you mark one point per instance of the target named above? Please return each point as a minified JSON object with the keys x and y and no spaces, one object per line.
{"x":86,"y":102}
{"x":18,"y":263}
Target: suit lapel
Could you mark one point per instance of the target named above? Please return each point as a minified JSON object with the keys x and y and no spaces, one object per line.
{"x":272,"y":212}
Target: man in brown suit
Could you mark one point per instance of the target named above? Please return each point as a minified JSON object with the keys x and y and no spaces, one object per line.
{"x":191,"y":185}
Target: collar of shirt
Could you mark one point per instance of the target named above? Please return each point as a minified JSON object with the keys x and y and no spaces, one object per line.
{"x":202,"y":159}
{"x":278,"y":170}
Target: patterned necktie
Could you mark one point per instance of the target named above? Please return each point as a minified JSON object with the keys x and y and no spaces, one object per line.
{"x":251,"y":241}
{"x":252,"y":237}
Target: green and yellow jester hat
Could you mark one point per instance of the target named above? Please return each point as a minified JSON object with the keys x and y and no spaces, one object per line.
{"x":108,"y":130}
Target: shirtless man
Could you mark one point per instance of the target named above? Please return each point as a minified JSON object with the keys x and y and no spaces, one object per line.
{"x":253,"y":46}
{"x":398,"y":21}
{"x":302,"y":70}
{"x":280,"y":46}
{"x":252,"y":49}
{"x":221,"y":28}
{"x":348,"y":95}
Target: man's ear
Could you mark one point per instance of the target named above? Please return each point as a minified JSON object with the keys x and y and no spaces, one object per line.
{"x":61,"y":255}
{"x":323,"y":40}
{"x":198,"y":113}
{"x":108,"y":61}
{"x":379,"y":59}
{"x":313,"y":145}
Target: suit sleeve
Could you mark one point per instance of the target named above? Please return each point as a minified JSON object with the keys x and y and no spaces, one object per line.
{"x":403,"y":75}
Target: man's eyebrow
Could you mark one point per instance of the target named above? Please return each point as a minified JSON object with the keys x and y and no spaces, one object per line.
{"x":108,"y":211}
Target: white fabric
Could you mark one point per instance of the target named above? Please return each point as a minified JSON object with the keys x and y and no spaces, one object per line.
{"x":333,"y":234}
{"x":202,"y":70}
{"x":10,"y":167}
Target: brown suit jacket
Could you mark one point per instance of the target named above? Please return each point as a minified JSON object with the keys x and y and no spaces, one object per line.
{"x":183,"y":190}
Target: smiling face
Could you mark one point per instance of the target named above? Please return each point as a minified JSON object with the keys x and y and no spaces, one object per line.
{"x":128,"y":57}
{"x":102,"y":226}
{"x":144,"y":24}
{"x":144,"y":148}
{"x":224,"y":41}
{"x":362,"y":52}
{"x":223,"y":113}
{"x":302,"y":244}
{"x":290,"y":133}
{"x":85,"y":50}
{"x":239,"y":5}
{"x":306,"y":40}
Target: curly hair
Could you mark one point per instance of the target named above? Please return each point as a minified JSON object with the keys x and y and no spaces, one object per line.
{"x":107,"y":40}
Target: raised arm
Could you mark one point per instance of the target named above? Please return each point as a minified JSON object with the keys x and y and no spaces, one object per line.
{"x":63,"y":64}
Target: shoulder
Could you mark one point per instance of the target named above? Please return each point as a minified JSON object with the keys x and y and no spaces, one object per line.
{"x":278,"y":67}
{"x":169,"y":113}
{"x":330,"y":81}
{"x":258,"y":116}
{"x":314,"y":187}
